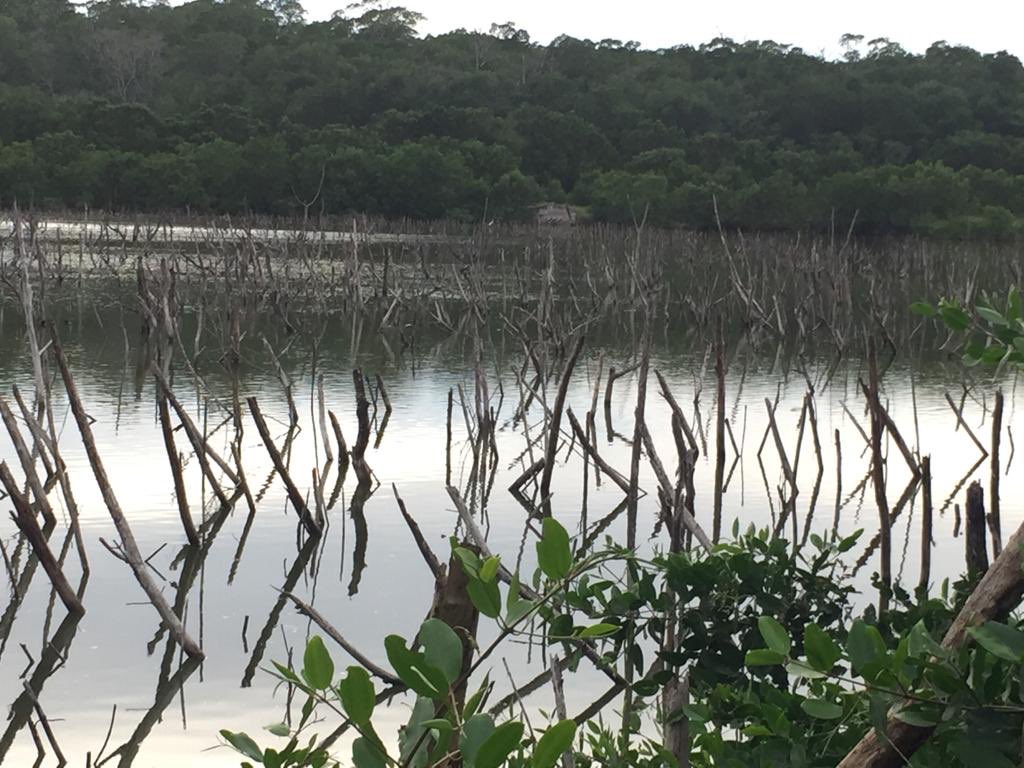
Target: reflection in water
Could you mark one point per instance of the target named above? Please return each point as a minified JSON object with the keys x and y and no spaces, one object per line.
{"x":53,"y":656}
{"x":438,"y":428}
{"x":362,"y":494}
{"x":301,"y":561}
{"x":166,"y":690}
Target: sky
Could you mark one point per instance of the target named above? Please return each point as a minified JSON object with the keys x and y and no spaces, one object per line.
{"x":814,"y":25}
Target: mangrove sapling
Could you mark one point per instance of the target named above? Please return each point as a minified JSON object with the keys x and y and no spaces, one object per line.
{"x":581,"y":599}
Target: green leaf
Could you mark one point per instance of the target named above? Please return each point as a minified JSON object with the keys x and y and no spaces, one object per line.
{"x":286,"y":673}
{"x":921,"y":715}
{"x":822,"y":651}
{"x":439,"y":724}
{"x":921,"y":643}
{"x":864,"y":645}
{"x":442,"y":648}
{"x":991,"y":316}
{"x":802,"y":669}
{"x":756,"y":730}
{"x":517,"y":609}
{"x":357,"y":695}
{"x":477,"y":699}
{"x":878,"y":711}
{"x":763,"y":657}
{"x":845,"y":545}
{"x":485,"y":596}
{"x":553,"y":743}
{"x":1000,"y":640}
{"x":499,"y":745}
{"x":413,"y":669}
{"x":1013,"y":304}
{"x":408,"y":737}
{"x":599,"y":630}
{"x":975,"y":755}
{"x":775,"y":635}
{"x":278,"y":729}
{"x":490,"y":568}
{"x":553,"y":553}
{"x":243,"y":744}
{"x":821,"y":709}
{"x":475,"y":731}
{"x":954,"y":317}
{"x":922,"y":308}
{"x":317,"y":666}
{"x":469,"y":560}
{"x":367,"y":754}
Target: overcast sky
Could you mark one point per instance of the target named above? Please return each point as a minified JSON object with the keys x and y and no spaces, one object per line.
{"x":814,"y":25}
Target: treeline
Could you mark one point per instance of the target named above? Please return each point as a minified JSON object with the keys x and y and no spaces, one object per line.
{"x":242,"y":105}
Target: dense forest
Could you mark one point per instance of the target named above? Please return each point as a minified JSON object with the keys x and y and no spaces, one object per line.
{"x":245,"y":106}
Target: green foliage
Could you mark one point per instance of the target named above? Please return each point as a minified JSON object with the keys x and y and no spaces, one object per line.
{"x":993,"y":336}
{"x":499,"y":745}
{"x":357,"y":695}
{"x":244,"y":106}
{"x":554,"y":555}
{"x":781,"y":670}
{"x":317,"y":667}
{"x":414,"y":670}
{"x":556,"y":740}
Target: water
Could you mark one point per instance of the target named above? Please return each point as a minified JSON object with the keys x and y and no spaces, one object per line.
{"x":367,"y":577}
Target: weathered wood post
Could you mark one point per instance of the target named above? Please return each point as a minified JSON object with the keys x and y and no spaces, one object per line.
{"x":976,"y":548}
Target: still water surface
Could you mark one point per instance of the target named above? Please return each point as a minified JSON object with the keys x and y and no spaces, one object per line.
{"x":112,"y":661}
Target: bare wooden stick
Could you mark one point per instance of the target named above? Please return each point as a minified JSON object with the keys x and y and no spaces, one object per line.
{"x":44,"y":445}
{"x":974,"y":540}
{"x":201,"y":446}
{"x":994,"y":523}
{"x":894,"y":433}
{"x":28,"y":466}
{"x":26,"y":521}
{"x":131,"y":549}
{"x":286,"y":382}
{"x":526,"y":475}
{"x":179,"y":480}
{"x":307,"y":610}
{"x":321,"y":412}
{"x":860,"y":429}
{"x":719,"y":430}
{"x":839,"y":480}
{"x":613,"y":376}
{"x":961,"y":422}
{"x":878,"y":480}
{"x":421,"y":543}
{"x":43,"y":721}
{"x":633,"y":496}
{"x":298,"y":502}
{"x":448,"y":441}
{"x":383,"y":392}
{"x":339,"y":438}
{"x":605,"y":467}
{"x":666,"y":488}
{"x":363,"y":419}
{"x":555,"y":428}
{"x":677,"y":724}
{"x":676,"y":410}
{"x":606,"y":698}
{"x":42,"y":391}
{"x":926,"y":523}
{"x":568,"y":760}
